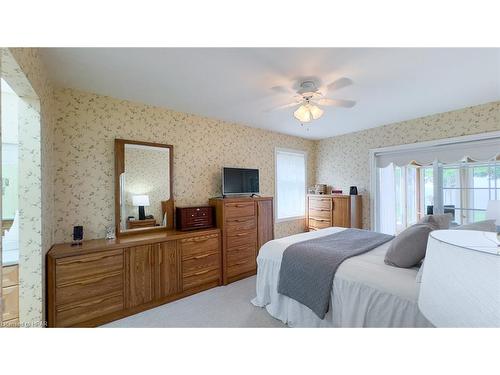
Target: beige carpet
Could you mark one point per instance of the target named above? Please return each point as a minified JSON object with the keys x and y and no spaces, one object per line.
{"x":224,"y":306}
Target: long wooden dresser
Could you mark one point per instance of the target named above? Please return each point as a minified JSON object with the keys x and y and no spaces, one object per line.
{"x":325,"y":211}
{"x":104,"y":280}
{"x":247,"y":224}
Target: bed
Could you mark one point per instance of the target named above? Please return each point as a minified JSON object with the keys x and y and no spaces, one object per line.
{"x":365,"y":292}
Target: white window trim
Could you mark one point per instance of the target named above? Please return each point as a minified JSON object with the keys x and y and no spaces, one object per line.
{"x":407,"y":147}
{"x":303,"y":152}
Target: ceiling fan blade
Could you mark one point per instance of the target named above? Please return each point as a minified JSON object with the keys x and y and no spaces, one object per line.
{"x":282,"y":90}
{"x":339,"y":83}
{"x":288,"y":105}
{"x":336,"y":102}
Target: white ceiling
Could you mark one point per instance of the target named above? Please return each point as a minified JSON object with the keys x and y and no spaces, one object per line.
{"x":234,"y":84}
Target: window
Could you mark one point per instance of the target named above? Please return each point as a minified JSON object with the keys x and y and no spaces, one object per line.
{"x":463,"y":189}
{"x":290,"y":184}
{"x":456,"y":175}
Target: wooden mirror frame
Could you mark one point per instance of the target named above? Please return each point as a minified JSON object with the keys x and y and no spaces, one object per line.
{"x":167,"y":205}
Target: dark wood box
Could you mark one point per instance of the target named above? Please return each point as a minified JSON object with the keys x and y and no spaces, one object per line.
{"x":188,"y":218}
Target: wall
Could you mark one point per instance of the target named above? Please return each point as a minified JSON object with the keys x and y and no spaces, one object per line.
{"x":25,"y":63}
{"x":87,"y":125}
{"x":343,"y":161}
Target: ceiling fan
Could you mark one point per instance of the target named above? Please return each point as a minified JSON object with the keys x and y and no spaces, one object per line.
{"x":309,"y":99}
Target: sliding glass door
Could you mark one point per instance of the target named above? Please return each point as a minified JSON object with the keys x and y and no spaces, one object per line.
{"x":407,"y":193}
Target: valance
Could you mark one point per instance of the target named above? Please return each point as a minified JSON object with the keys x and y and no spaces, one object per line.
{"x":480,"y":151}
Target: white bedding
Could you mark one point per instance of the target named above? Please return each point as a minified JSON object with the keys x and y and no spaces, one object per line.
{"x":365,"y":293}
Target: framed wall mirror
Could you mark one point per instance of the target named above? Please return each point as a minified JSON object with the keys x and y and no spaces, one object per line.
{"x":143,"y":187}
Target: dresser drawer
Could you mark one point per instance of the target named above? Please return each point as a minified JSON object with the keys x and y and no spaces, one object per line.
{"x":200,"y":278}
{"x":320,"y":214}
{"x":320,"y":203}
{"x":241,"y":224}
{"x":241,"y":266}
{"x":89,"y":288}
{"x":237,"y":210}
{"x":10,"y":276}
{"x":200,"y":263}
{"x":199,"y":245}
{"x":236,"y":254}
{"x":238,"y":238}
{"x":319,"y":223}
{"x":79,"y":312}
{"x":80,"y":267}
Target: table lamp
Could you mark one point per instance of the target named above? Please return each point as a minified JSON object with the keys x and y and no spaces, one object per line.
{"x":493,"y":213}
{"x":141,"y":201}
{"x":461,"y":279}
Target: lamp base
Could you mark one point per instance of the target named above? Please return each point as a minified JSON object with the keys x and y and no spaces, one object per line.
{"x":142,"y":214}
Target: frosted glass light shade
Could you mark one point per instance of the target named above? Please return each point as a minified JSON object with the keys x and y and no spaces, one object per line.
{"x":308,"y":112}
{"x":140,"y":200}
{"x":316,"y":112}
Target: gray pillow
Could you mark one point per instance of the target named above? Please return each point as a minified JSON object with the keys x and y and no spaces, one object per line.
{"x":442,"y":221}
{"x":484,"y":226}
{"x":408,"y":248}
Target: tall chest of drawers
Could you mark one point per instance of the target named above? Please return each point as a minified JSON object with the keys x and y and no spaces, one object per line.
{"x":247,"y":224}
{"x":325,"y":211}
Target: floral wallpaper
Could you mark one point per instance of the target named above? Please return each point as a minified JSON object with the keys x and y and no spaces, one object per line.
{"x":87,"y":125}
{"x":25,"y":72}
{"x":146,"y":172}
{"x":343,"y":161}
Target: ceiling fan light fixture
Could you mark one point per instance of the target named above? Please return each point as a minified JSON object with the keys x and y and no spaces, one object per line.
{"x":308,"y":112}
{"x":316,"y":112}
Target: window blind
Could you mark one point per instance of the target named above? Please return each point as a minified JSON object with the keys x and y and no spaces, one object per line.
{"x":290,"y":184}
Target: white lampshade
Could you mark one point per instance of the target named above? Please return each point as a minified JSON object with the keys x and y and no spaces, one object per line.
{"x":461,"y":279}
{"x":493,"y":211}
{"x":140,"y":200}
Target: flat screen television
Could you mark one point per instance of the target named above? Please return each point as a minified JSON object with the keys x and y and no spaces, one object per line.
{"x":240,"y":181}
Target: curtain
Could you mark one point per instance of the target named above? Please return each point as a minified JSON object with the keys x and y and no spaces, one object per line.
{"x":387,"y":200}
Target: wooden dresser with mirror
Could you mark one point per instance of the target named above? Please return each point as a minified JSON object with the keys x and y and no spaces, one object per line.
{"x":104,"y":280}
{"x":145,"y":266}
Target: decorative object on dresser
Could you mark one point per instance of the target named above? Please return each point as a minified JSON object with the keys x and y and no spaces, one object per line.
{"x":325,"y":211}
{"x":320,"y":189}
{"x":353,"y":190}
{"x":77,"y":235}
{"x":138,"y":224}
{"x":110,"y":233}
{"x":105,"y":280}
{"x":460,"y":284}
{"x":247,"y":224}
{"x":188,"y":218}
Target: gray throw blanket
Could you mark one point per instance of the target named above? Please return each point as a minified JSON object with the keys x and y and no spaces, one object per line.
{"x":308,"y":267}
